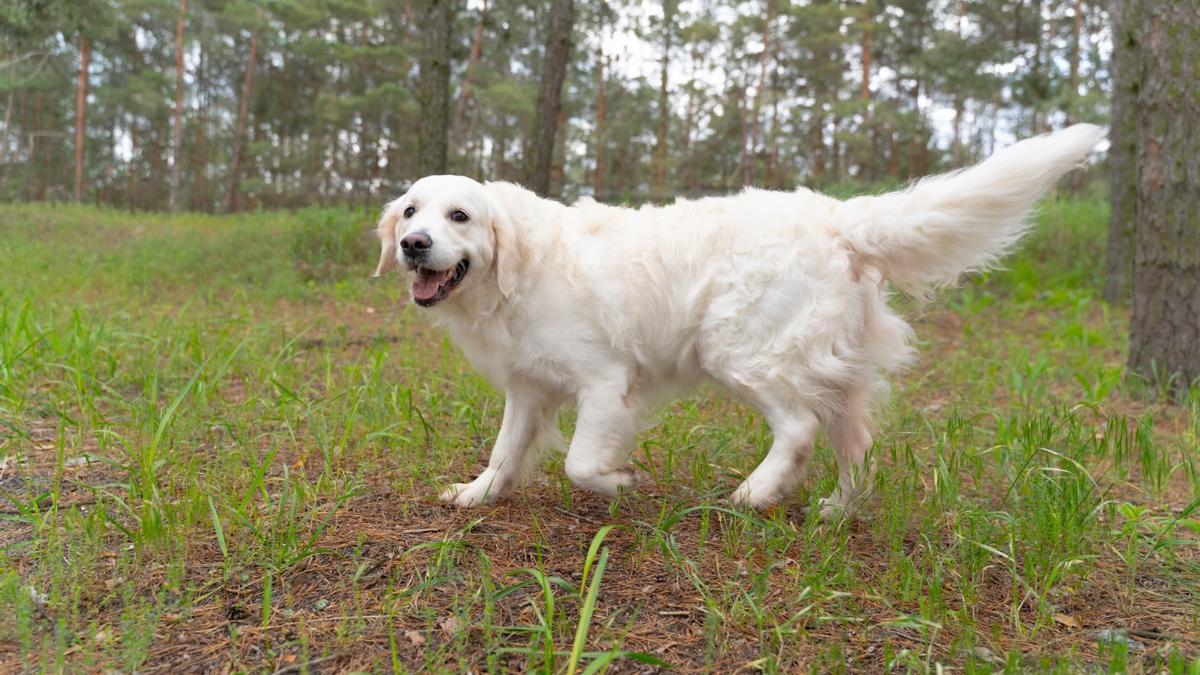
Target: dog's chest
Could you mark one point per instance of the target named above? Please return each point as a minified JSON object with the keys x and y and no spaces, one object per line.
{"x":503,"y":357}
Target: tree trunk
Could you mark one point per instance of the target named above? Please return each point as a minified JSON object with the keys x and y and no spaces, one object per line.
{"x":1122,"y":155}
{"x":1075,"y":36}
{"x":239,"y":133}
{"x":959,"y":103}
{"x":464,"y":92}
{"x":554,"y":71}
{"x":689,"y":123}
{"x":199,"y":200}
{"x":433,"y":86}
{"x":85,"y":54}
{"x":1164,"y":336}
{"x":867,"y":169}
{"x":601,"y":124}
{"x":132,"y":182}
{"x":8,"y":108}
{"x":772,"y":177}
{"x":177,"y":131}
{"x":658,"y":186}
{"x":756,"y":108}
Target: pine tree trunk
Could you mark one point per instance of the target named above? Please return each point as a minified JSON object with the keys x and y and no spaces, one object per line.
{"x":658,"y":186}
{"x":1122,"y":153}
{"x":8,"y":108}
{"x":433,"y":87}
{"x":1164,"y":336}
{"x":867,"y":167}
{"x":177,"y":131}
{"x":132,"y":182}
{"x":199,"y":200}
{"x":601,"y":124}
{"x":689,"y":123}
{"x":1076,"y":31}
{"x":464,"y":92}
{"x":239,"y":133}
{"x":85,"y":53}
{"x":772,"y":177}
{"x":756,"y":108}
{"x":554,"y":71}
{"x":959,"y":103}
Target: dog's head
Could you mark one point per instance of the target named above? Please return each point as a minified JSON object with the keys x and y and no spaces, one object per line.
{"x":453,"y":234}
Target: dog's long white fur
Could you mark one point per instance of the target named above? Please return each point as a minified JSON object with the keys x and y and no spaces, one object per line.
{"x":779,"y":296}
{"x":929,"y":235}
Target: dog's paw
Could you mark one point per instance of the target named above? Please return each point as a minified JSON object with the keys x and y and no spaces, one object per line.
{"x":832,"y":511}
{"x":466,"y":495}
{"x":746,"y":497}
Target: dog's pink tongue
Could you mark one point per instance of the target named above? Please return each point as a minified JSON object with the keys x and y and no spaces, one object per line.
{"x":427,"y":283}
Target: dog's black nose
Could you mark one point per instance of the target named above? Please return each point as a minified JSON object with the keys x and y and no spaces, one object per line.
{"x":416,"y":242}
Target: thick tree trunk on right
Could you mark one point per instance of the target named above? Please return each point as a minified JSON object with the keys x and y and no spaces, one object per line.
{"x":1164,"y":335}
{"x":85,"y":53}
{"x":554,"y":71}
{"x":433,"y":87}
{"x":1122,"y":153}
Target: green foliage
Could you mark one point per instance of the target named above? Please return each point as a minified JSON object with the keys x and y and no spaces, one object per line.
{"x":331,"y":244}
{"x":334,"y":116}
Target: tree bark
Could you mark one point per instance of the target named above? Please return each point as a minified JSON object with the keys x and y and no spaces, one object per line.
{"x":1077,"y":29}
{"x":1164,"y":336}
{"x":177,"y":131}
{"x":433,"y":87}
{"x":658,"y":186}
{"x":464,"y":92}
{"x":689,"y":123}
{"x":239,"y":133}
{"x":959,"y":102}
{"x":756,"y":108}
{"x":554,"y":71}
{"x":867,"y":170}
{"x":772,"y":173}
{"x":601,"y":124}
{"x":8,"y":108}
{"x":1122,"y":153}
{"x":199,"y":200}
{"x":85,"y":53}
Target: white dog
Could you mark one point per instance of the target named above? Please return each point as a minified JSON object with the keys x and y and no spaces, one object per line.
{"x":779,"y":296}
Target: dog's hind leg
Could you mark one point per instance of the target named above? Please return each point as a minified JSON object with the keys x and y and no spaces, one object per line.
{"x":794,"y":429}
{"x":850,"y":433}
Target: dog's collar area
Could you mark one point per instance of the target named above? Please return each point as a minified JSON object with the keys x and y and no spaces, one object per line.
{"x":432,"y":286}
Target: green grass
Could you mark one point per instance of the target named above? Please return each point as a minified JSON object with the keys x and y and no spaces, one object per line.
{"x":220,"y":445}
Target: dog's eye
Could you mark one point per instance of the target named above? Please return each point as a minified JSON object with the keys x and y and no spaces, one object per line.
{"x":408,"y":213}
{"x":459,"y":217}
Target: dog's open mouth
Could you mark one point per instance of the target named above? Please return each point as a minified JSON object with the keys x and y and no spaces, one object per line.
{"x":432,"y":286}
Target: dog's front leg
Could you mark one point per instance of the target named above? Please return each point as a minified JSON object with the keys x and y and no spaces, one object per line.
{"x":526,"y":416}
{"x":598,"y":459}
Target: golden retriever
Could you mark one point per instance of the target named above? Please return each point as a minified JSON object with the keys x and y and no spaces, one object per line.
{"x":781,"y":297}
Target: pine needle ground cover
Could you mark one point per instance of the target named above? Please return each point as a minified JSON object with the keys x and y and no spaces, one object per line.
{"x":220,"y":447}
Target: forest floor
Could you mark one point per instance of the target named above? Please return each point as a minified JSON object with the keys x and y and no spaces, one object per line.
{"x":221,"y":446}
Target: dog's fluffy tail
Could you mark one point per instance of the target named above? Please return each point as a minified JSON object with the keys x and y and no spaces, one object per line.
{"x":943,"y":226}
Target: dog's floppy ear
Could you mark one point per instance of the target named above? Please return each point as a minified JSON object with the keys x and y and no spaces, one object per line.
{"x":387,"y":239}
{"x":511,"y":254}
